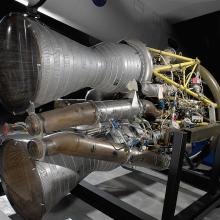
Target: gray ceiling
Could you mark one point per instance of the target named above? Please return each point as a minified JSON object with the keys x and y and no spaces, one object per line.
{"x":145,"y":20}
{"x":173,"y":10}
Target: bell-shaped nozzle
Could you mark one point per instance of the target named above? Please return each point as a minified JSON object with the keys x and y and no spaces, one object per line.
{"x":34,"y":187}
{"x":39,"y":65}
{"x":19,"y":58}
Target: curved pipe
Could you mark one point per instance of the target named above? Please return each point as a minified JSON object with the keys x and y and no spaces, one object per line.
{"x":213,"y":86}
{"x":68,"y":143}
{"x":215,"y":90}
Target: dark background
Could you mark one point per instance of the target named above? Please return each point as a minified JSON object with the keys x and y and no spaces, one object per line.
{"x":200,"y":37}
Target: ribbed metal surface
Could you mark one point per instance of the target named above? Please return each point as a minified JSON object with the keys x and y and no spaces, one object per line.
{"x":67,"y":66}
{"x":59,"y":174}
{"x":64,"y":66}
{"x":34,"y":187}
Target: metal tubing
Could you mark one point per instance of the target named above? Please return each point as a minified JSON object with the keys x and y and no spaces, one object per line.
{"x":69,"y":144}
{"x":87,"y":113}
{"x":190,"y":75}
{"x":164,"y":53}
{"x":188,"y":91}
{"x":149,"y":159}
{"x":58,"y":119}
{"x":213,"y":86}
{"x":173,"y":66}
{"x":119,"y":109}
{"x":206,"y":75}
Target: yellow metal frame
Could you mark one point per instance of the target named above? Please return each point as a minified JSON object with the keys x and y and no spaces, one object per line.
{"x":185,"y":63}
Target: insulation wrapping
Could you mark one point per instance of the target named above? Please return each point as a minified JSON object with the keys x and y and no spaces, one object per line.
{"x":45,"y":65}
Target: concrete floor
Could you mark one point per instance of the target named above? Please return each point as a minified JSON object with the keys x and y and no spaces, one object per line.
{"x":144,"y":190}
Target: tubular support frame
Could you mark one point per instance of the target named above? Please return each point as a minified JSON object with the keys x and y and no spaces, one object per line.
{"x":161,"y":52}
{"x":173,"y":66}
{"x":182,"y":65}
{"x":188,"y":91}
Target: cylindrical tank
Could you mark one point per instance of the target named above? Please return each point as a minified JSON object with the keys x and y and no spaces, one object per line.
{"x":40,"y":65}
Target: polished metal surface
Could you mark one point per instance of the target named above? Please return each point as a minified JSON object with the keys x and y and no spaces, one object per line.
{"x":68,"y":143}
{"x":67,"y":66}
{"x":60,"y":118}
{"x":87,"y":113}
{"x":34,"y":187}
{"x":122,"y":109}
{"x":151,"y":90}
{"x":63,"y":66}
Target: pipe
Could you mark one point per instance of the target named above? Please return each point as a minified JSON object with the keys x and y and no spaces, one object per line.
{"x":68,"y":143}
{"x":188,"y":91}
{"x":165,"y":53}
{"x":87,"y":113}
{"x":47,"y":65}
{"x":213,"y":86}
{"x":35,"y":186}
{"x":173,"y":66}
{"x":58,"y":119}
{"x":150,"y":159}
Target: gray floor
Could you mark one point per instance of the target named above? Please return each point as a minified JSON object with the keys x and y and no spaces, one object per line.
{"x":145,"y":192}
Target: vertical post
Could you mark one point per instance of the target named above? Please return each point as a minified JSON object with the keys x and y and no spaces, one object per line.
{"x":174,"y":175}
{"x":215,"y":175}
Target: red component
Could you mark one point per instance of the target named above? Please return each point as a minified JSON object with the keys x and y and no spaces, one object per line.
{"x":174,"y":117}
{"x":5,"y":129}
{"x":196,"y":80}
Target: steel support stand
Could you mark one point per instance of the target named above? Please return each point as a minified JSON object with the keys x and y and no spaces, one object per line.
{"x":174,"y":175}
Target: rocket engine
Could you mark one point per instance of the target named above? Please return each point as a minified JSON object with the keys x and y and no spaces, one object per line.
{"x":150,"y":93}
